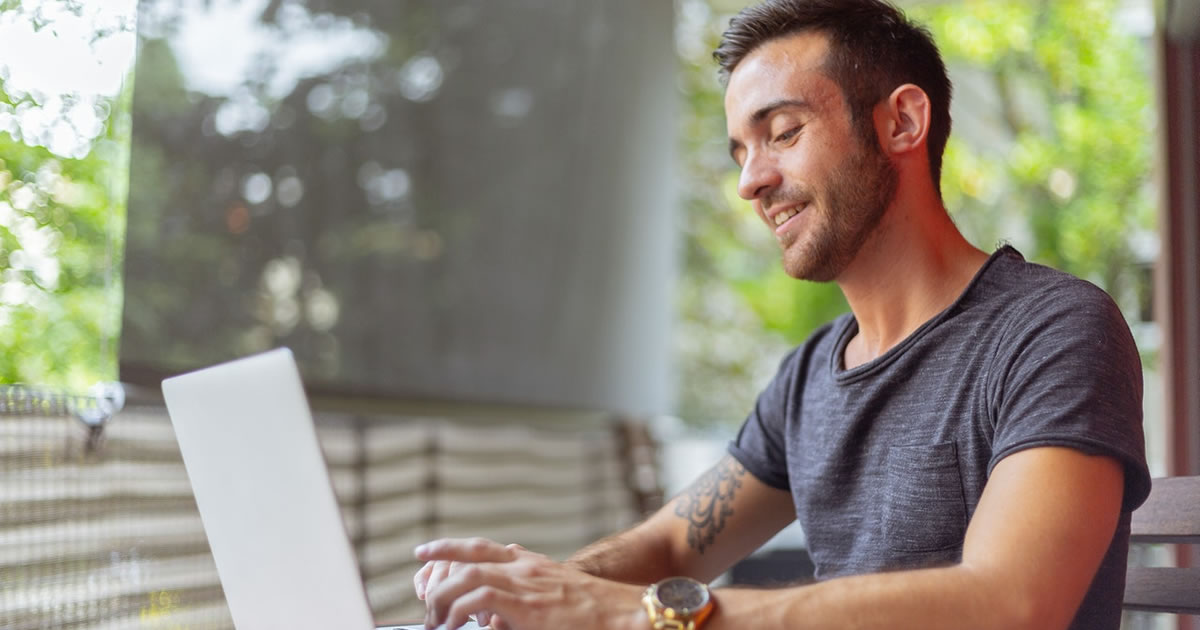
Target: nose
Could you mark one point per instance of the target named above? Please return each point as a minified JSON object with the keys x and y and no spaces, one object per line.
{"x":759,"y":177}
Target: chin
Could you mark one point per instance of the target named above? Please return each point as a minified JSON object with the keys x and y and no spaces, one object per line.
{"x":809,"y":270}
{"x":802,"y":263}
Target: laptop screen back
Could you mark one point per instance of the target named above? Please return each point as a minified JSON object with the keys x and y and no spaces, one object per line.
{"x":250,"y":448}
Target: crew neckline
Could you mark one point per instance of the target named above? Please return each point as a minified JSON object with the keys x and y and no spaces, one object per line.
{"x":850,"y":327}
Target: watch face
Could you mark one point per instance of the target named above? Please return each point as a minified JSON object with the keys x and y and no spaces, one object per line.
{"x":682,"y":594}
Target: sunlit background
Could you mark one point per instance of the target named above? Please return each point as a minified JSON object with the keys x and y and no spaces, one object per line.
{"x":329,"y":176}
{"x":1042,"y":90}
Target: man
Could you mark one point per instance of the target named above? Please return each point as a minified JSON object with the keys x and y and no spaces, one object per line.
{"x":963,"y":450}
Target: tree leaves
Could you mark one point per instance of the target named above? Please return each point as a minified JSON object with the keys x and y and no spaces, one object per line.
{"x":61,"y":228}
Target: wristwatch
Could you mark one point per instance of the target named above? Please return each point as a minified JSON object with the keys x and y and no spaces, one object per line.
{"x":678,"y":603}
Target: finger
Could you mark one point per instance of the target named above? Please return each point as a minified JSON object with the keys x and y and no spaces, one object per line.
{"x":466,"y":579}
{"x":441,"y":570}
{"x":489,"y":597}
{"x":421,"y":579}
{"x":465,"y":550}
{"x":488,"y":619}
{"x":519,"y":551}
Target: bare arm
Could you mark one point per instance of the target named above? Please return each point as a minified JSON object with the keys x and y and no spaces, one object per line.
{"x":1043,"y":525}
{"x":1041,"y":529}
{"x":1033,"y":546}
{"x":723,"y":516}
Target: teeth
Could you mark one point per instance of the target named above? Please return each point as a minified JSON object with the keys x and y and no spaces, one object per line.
{"x":784,"y":216}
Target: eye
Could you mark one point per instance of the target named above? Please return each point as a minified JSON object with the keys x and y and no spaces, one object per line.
{"x":789,"y":134}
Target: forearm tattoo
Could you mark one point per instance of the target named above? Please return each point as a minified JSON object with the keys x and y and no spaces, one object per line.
{"x":709,"y":502}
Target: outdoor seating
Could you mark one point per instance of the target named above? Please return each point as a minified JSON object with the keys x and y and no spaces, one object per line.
{"x":1171,"y":515}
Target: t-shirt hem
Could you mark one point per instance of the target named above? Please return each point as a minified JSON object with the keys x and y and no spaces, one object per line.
{"x":758,"y":469}
{"x":1137,"y":480}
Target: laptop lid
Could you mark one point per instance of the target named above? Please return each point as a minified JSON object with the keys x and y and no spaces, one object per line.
{"x":250,"y":448}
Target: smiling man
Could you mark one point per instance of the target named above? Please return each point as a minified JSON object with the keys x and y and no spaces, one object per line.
{"x":963,"y":449}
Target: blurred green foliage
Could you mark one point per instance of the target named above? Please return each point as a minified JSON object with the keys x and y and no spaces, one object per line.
{"x":1056,"y":158}
{"x":61,"y":230}
{"x":1052,"y":152}
{"x":1076,"y":115}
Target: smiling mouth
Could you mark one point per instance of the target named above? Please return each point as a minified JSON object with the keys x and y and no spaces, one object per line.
{"x":782,"y":217}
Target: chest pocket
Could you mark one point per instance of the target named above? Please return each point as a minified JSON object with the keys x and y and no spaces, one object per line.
{"x":923,"y":504}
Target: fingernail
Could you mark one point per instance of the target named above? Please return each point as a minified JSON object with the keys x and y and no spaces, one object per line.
{"x":420,"y":550}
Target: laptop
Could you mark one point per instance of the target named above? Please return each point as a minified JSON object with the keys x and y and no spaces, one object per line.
{"x":265,"y":497}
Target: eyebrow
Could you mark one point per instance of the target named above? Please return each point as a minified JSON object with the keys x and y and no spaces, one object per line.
{"x":763,"y":112}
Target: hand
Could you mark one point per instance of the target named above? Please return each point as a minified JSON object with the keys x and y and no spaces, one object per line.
{"x":523,"y":590}
{"x":429,"y":576}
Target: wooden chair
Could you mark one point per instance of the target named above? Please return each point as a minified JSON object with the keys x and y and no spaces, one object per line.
{"x":1170,"y":515}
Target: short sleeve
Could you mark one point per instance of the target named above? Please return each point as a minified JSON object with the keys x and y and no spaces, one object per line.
{"x":760,"y":444}
{"x":1069,"y":374}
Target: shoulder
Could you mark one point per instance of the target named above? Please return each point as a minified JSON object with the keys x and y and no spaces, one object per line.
{"x":1036,"y":300}
{"x":1053,"y":330}
{"x":1066,"y":372}
{"x":1011,"y":273}
{"x":1045,"y":285}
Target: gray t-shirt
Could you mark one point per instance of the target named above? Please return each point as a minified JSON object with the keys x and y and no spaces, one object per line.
{"x":886,"y":462}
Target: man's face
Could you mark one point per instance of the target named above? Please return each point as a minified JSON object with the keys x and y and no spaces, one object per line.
{"x":804,"y":169}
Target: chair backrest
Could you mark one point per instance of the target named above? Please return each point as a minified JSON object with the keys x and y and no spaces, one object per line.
{"x":1170,"y":515}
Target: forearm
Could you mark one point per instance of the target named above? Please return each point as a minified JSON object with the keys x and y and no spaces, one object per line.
{"x":928,"y":599}
{"x":719,"y":519}
{"x":634,"y":556}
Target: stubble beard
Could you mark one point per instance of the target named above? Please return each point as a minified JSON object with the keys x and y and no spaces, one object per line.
{"x":857,"y":196}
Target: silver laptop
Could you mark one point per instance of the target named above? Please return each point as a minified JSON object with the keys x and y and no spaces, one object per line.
{"x":265,"y":497}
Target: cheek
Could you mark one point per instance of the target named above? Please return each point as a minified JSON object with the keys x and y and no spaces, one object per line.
{"x":807,"y":162}
{"x":758,"y":209}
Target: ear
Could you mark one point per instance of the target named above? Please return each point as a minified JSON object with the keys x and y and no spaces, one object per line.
{"x":903,"y":120}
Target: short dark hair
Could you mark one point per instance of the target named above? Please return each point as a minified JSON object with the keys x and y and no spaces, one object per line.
{"x":873,"y":49}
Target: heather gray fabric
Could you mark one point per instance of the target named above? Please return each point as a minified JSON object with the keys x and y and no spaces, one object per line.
{"x":886,"y":462}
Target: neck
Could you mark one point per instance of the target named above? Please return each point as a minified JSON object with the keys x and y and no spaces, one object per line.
{"x":913,"y":266}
